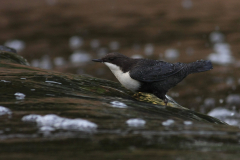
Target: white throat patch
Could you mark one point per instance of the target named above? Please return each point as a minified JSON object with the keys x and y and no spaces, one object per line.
{"x":123,"y":78}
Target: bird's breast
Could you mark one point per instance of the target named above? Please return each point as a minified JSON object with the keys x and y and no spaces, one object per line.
{"x":124,"y":78}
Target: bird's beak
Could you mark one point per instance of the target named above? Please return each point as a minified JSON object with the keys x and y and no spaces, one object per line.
{"x":97,"y":60}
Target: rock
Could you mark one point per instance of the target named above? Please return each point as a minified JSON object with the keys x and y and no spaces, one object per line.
{"x":7,"y":49}
{"x":12,"y":57}
{"x":84,"y":114}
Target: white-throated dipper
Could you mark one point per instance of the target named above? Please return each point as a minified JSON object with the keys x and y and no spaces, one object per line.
{"x":151,"y":76}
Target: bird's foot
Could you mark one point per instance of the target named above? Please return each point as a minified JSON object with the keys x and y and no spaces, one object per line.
{"x":165,"y":101}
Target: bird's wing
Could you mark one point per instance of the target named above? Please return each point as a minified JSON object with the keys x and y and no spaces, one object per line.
{"x":154,"y":70}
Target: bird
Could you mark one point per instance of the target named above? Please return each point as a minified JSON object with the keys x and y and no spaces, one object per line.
{"x":151,"y":76}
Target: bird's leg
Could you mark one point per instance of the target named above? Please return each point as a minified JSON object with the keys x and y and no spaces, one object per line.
{"x":165,"y":101}
{"x":162,"y":96}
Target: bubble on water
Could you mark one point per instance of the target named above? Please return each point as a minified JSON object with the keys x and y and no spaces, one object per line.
{"x":19,"y":96}
{"x":137,"y":56}
{"x":94,"y":43}
{"x":148,"y":49}
{"x":222,"y":53}
{"x":216,"y":37}
{"x":101,"y":52}
{"x":221,"y":100}
{"x":4,"y":110}
{"x":35,"y":63}
{"x":171,"y":54}
{"x":52,"y":122}
{"x":16,"y":44}
{"x":187,"y":123}
{"x":46,"y":129}
{"x":209,"y":102}
{"x":187,"y":4}
{"x":80,"y":57}
{"x":221,"y":59}
{"x":233,"y":99}
{"x":59,"y":61}
{"x":222,"y":48}
{"x":168,"y":122}
{"x":114,"y":45}
{"x":230,"y":81}
{"x":118,"y":104}
{"x":136,"y":122}
{"x":75,"y":42}
{"x":45,"y":62}
{"x":221,"y":113}
{"x":5,"y":81}
{"x":228,"y":116}
{"x":232,"y":122}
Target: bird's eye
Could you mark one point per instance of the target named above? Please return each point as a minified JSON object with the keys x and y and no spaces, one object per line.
{"x":111,"y":58}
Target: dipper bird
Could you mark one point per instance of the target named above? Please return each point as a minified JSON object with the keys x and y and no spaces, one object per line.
{"x":151,"y":76}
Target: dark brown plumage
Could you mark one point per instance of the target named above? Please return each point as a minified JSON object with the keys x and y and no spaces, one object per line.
{"x":151,"y":76}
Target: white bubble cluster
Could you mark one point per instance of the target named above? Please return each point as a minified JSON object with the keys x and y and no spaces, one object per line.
{"x":80,"y":57}
{"x":233,"y":99}
{"x":59,"y":61}
{"x":16,"y":44}
{"x":217,"y":37}
{"x":137,"y":56}
{"x":226,"y":115}
{"x":168,"y":122}
{"x":209,"y":102}
{"x":136,"y":122}
{"x":4,"y":110}
{"x":148,"y":49}
{"x":19,"y":96}
{"x":118,"y":104}
{"x":222,"y":53}
{"x":44,"y":62}
{"x":75,"y":42}
{"x":171,"y":54}
{"x":52,"y":122}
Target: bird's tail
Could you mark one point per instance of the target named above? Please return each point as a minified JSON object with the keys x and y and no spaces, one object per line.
{"x":199,"y":66}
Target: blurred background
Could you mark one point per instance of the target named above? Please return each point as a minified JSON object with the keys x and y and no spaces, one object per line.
{"x":64,"y":35}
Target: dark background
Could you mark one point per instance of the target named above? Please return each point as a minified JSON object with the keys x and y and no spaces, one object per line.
{"x":130,"y":27}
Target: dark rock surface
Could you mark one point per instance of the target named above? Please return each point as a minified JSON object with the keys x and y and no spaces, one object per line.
{"x":51,"y":115}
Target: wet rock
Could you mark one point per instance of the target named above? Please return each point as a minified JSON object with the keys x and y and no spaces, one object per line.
{"x":8,"y":49}
{"x":94,"y":116}
{"x":12,"y":57}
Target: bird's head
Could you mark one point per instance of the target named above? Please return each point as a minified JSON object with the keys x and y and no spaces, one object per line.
{"x":113,"y":58}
